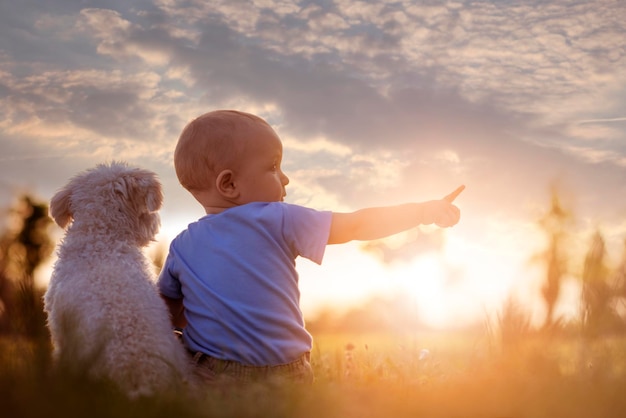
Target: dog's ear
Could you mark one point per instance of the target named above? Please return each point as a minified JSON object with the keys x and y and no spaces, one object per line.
{"x":60,"y":207}
{"x":154,"y":194}
{"x":152,"y":190}
{"x":142,"y":188}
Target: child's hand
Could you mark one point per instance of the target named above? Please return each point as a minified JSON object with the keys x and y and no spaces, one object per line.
{"x":442,"y":212}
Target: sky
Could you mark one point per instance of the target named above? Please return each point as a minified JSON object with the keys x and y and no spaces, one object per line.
{"x":377,"y":102}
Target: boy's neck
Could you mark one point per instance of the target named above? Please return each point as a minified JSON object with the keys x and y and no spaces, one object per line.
{"x":211,"y":203}
{"x":214,"y":210}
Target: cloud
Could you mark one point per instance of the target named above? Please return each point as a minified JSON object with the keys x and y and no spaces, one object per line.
{"x":111,"y":104}
{"x":501,"y":88}
{"x":607,"y":120}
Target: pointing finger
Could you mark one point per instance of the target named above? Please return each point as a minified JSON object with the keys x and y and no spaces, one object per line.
{"x":450,"y":198}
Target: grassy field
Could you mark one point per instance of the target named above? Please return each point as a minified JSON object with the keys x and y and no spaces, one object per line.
{"x":460,"y":375}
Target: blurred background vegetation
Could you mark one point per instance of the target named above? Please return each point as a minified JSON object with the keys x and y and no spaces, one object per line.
{"x":27,"y":242}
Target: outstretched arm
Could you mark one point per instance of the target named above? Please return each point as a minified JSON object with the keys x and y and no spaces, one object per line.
{"x":375,"y":223}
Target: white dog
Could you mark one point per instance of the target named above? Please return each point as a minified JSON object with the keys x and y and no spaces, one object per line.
{"x":104,"y":312}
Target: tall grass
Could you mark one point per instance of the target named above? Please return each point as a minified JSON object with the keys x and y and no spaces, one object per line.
{"x":357,"y":376}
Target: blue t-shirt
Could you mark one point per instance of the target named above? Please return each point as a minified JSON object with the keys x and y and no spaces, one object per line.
{"x":236,"y":273}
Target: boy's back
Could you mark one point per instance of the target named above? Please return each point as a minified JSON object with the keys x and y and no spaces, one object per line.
{"x":236,"y":273}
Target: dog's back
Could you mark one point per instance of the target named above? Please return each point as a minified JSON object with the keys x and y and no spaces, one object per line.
{"x":104,"y":311}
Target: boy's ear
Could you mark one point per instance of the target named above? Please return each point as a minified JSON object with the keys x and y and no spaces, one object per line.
{"x":225,"y":183}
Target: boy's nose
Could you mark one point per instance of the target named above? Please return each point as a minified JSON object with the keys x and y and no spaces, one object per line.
{"x":284,"y":178}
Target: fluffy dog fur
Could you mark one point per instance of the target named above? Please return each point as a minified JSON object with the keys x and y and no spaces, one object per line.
{"x":104,"y":311}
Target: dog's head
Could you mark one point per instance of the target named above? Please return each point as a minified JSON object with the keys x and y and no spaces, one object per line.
{"x":111,"y":199}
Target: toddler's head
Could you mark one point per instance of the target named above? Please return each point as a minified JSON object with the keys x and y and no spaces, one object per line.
{"x":232,"y":156}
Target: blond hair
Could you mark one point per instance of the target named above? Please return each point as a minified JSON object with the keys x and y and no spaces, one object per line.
{"x":209,"y":144}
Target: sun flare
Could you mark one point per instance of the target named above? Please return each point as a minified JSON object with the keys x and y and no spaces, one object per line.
{"x":460,"y":282}
{"x":423,"y":282}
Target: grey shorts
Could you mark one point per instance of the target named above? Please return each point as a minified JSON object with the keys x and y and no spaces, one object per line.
{"x":213,"y":371}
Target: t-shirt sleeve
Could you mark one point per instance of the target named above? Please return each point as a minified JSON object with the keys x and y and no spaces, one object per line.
{"x":307,"y":231}
{"x":168,"y":283}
